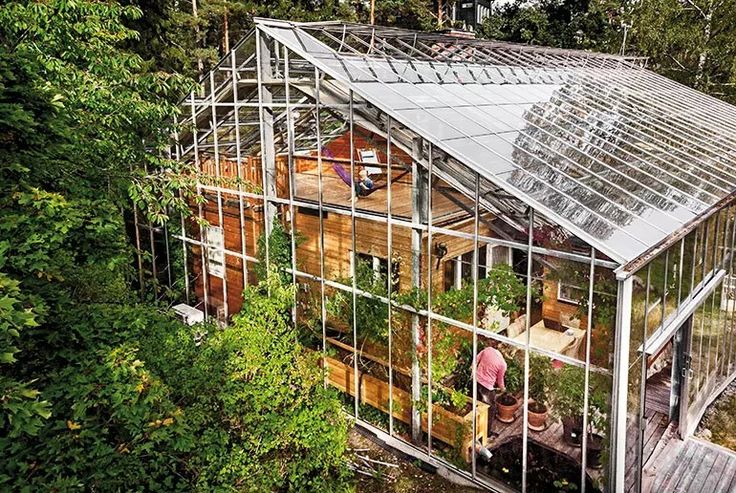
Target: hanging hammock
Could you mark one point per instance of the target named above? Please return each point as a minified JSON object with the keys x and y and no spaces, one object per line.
{"x":360,"y":189}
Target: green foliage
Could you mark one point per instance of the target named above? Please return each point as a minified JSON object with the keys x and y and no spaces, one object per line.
{"x":690,"y":42}
{"x":279,"y":254}
{"x":107,"y":407}
{"x":21,"y":410}
{"x":371,"y":313}
{"x":567,"y":392}
{"x":101,"y":392}
{"x":539,"y":374}
{"x":514,"y":378}
{"x":501,"y":289}
{"x":266,"y":422}
{"x":561,"y":23}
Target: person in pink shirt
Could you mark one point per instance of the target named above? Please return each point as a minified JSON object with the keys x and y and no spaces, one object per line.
{"x":490,"y":373}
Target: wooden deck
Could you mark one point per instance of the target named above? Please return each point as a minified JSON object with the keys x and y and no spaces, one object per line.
{"x":659,"y":388}
{"x":689,"y":466}
{"x":336,"y":193}
{"x":674,"y":465}
{"x":658,"y":427}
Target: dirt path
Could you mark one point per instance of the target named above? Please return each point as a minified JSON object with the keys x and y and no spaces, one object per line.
{"x":400,"y":476}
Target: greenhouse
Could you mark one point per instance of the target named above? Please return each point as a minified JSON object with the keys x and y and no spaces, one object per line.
{"x":436,"y":199}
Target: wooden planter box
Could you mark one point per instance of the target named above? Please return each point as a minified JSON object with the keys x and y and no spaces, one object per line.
{"x":448,"y":427}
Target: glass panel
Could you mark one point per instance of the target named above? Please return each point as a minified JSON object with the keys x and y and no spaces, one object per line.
{"x":556,"y":392}
{"x":633,"y":405}
{"x":688,"y":266}
{"x":672,"y":280}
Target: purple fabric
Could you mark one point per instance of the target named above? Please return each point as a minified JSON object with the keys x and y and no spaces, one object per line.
{"x":342,"y":173}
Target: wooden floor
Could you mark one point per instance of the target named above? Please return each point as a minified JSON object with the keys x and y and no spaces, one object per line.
{"x":659,"y":388}
{"x":689,"y":466}
{"x":657,"y":429}
{"x":674,"y":465}
{"x":656,"y":414}
{"x":336,"y":193}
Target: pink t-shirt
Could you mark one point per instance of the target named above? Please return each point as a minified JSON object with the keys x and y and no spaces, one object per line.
{"x":491,"y":368}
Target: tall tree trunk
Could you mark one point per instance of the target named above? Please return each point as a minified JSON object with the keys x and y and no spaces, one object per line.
{"x":200,"y":65}
{"x":225,"y":33}
{"x":703,"y":58}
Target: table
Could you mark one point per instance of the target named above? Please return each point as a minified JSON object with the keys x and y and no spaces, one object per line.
{"x":553,"y":340}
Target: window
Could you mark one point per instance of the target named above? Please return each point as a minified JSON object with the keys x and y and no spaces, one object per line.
{"x":568,"y":293}
{"x":214,"y":240}
{"x":379,"y":266}
{"x":459,"y":271}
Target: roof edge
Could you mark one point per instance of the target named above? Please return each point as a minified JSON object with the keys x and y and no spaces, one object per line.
{"x":630,"y":268}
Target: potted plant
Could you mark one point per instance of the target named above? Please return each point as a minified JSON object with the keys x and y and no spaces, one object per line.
{"x":566,"y":394}
{"x":539,"y":368}
{"x":507,"y":403}
{"x":597,"y":424}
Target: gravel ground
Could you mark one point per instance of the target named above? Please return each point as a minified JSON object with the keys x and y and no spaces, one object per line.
{"x":400,"y":476}
{"x":719,"y":423}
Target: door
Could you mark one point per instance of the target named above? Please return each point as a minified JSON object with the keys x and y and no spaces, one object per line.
{"x":682,"y":374}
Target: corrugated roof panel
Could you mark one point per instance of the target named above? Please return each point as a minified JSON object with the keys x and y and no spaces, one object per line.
{"x":619,"y":156}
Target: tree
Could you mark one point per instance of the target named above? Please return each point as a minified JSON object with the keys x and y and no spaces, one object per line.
{"x":691,"y":41}
{"x":581,"y":24}
{"x":256,"y":400}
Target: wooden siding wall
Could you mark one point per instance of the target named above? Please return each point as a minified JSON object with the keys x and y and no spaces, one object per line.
{"x":371,"y":236}
{"x":558,"y":311}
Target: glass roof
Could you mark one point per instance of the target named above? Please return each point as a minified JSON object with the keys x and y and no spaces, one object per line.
{"x":620,"y":156}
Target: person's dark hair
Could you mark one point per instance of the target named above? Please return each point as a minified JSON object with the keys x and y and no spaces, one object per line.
{"x":484,"y":342}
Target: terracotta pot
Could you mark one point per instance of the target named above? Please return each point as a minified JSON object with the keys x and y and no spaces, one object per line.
{"x":572,"y":430}
{"x":505,"y":411}
{"x":537,"y":416}
{"x":594,"y":446}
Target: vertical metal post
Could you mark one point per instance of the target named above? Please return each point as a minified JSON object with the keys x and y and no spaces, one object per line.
{"x":291,"y":172}
{"x":679,"y":274}
{"x":586,"y":398}
{"x":428,"y":263}
{"x":527,"y":343}
{"x":640,"y":421}
{"x":264,"y":76}
{"x":220,"y":215}
{"x":620,"y":385}
{"x":185,"y":261}
{"x":474,"y":372}
{"x":318,"y":129}
{"x":389,"y":261}
{"x":202,"y":240}
{"x":353,"y":253}
{"x":664,"y":285}
{"x":418,"y":217}
{"x":239,"y":164}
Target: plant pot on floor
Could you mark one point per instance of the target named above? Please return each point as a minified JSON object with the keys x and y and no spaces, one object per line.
{"x":572,"y":430}
{"x":594,"y":446}
{"x":506,"y":405}
{"x":537,"y":413}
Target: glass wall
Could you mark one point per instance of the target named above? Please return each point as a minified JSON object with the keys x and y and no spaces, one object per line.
{"x":446,"y":314}
{"x":681,"y":334}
